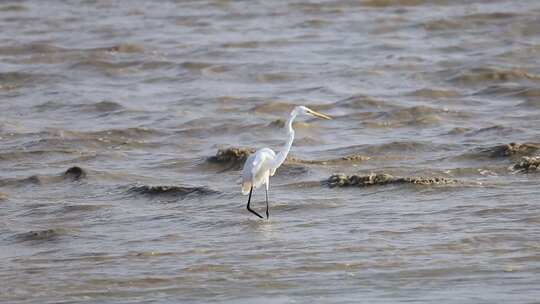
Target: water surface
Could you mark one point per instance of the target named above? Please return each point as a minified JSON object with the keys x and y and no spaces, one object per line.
{"x":141,"y":93}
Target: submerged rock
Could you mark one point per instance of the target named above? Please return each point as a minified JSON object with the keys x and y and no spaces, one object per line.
{"x":527,"y":164}
{"x":75,"y":173}
{"x":342,"y":180}
{"x":512,"y":149}
{"x":171,"y":190}
{"x":71,"y":174}
{"x":34,"y":179}
{"x":231,"y":155}
{"x":3,"y":196}
{"x":40,"y":235}
{"x":355,"y":157}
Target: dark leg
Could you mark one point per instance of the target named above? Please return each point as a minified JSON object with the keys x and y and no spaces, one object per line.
{"x":249,"y":200}
{"x":267,"y":215}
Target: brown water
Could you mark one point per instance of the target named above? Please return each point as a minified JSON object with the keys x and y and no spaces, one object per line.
{"x":141,"y":93}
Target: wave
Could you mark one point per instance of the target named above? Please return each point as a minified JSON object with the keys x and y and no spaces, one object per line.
{"x":364,"y":102}
{"x":40,"y":235}
{"x":122,"y":48}
{"x":31,"y":48}
{"x":65,"y":141}
{"x":177,"y":191}
{"x":13,"y":80}
{"x":483,"y":75}
{"x":495,"y":130}
{"x":504,"y":151}
{"x":435,"y":93}
{"x":101,"y":106}
{"x":528,"y":94}
{"x":471,"y":21}
{"x":205,"y":68}
{"x":386,"y":3}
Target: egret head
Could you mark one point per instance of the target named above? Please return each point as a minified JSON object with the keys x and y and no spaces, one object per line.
{"x":307,"y":111}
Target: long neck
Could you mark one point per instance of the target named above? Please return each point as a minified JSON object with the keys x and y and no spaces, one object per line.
{"x":282,"y":155}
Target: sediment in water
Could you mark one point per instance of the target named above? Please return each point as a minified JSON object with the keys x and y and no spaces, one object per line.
{"x":342,"y":180}
{"x":527,"y":164}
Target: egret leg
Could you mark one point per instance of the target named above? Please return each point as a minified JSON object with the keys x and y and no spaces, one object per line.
{"x":249,"y":200}
{"x":267,"y":215}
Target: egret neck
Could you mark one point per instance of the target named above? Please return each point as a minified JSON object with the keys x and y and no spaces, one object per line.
{"x":282,"y":155}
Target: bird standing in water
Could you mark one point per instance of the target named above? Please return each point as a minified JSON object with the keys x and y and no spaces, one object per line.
{"x":262,"y":164}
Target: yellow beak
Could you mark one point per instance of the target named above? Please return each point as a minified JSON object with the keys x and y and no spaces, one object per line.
{"x":320,"y":115}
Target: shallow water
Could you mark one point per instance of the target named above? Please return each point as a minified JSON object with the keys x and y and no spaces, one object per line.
{"x":140,"y":94}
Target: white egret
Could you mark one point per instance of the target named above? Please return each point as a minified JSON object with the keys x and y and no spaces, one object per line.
{"x":262,"y":164}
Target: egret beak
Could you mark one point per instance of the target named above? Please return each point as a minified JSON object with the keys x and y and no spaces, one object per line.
{"x":320,"y":115}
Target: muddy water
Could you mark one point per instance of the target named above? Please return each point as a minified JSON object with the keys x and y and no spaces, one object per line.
{"x":137,"y":95}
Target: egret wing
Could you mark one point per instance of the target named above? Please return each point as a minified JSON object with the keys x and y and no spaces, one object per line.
{"x":258,"y":162}
{"x":257,"y":168}
{"x":247,"y":176}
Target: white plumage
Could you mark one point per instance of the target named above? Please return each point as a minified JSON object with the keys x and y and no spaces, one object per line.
{"x":257,"y":169}
{"x":263,"y":163}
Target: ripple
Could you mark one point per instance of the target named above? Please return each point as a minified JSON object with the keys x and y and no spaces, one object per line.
{"x":274,"y":77}
{"x":365,"y":102}
{"x":435,"y":93}
{"x":196,"y":66}
{"x":32,"y":48}
{"x":386,"y":3}
{"x":241,"y":45}
{"x":124,"y":48}
{"x":36,"y":154}
{"x":84,"y":208}
{"x":488,"y":212}
{"x":64,"y":140}
{"x":402,"y":146}
{"x":496,"y":130}
{"x":108,"y":68}
{"x":103,"y":106}
{"x":14,"y":80}
{"x":13,"y":8}
{"x":471,"y":21}
{"x":490,"y":74}
{"x":418,"y":115}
